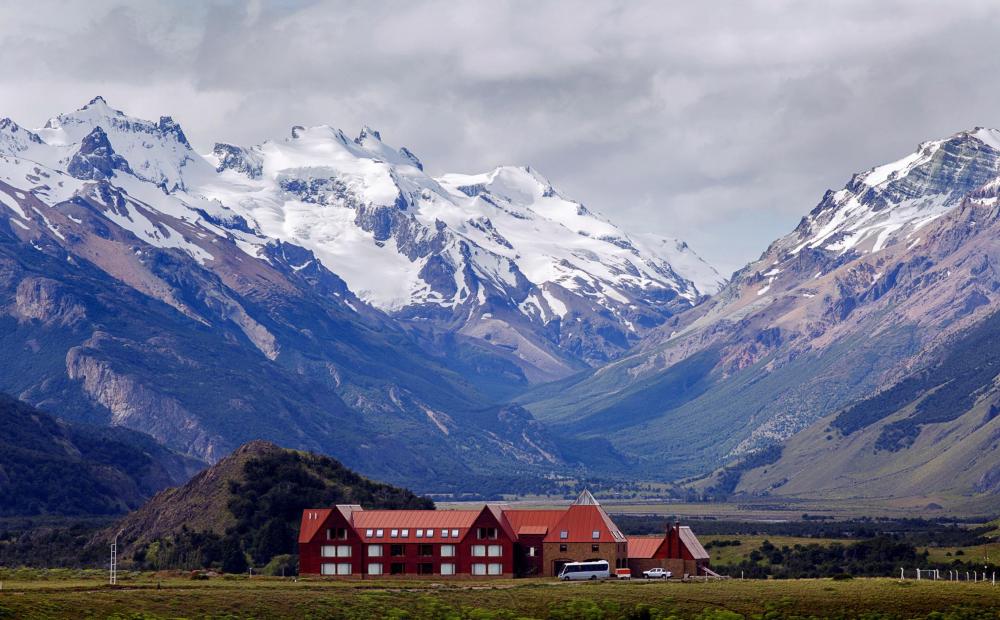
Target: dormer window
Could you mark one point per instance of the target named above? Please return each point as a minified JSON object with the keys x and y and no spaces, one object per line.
{"x":595,"y":534}
{"x":564,"y":534}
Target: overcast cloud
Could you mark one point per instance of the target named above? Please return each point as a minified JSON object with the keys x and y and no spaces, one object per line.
{"x":721,"y":123}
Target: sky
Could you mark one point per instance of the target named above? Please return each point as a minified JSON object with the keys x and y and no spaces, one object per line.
{"x":720,"y":123}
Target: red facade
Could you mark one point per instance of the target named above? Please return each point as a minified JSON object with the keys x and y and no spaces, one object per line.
{"x":350,"y":542}
{"x":494,"y":541}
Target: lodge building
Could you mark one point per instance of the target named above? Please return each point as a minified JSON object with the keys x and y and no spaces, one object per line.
{"x":494,"y":541}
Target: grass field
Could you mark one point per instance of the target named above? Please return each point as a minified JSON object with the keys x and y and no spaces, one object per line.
{"x":84,"y":596}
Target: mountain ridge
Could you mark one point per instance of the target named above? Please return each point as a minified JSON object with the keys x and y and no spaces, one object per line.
{"x":854,"y":299}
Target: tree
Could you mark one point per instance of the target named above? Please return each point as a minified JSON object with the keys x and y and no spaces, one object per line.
{"x":233,"y":558}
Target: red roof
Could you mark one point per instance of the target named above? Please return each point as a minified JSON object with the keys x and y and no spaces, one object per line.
{"x":312,"y":520}
{"x":580,"y":522}
{"x":540,"y":519}
{"x":411,"y":521}
{"x":643,"y":547}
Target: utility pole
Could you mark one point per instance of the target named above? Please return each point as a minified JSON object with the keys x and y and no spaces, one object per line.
{"x":113,"y":576}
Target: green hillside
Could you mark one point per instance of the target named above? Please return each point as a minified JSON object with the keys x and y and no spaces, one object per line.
{"x":50,"y":467}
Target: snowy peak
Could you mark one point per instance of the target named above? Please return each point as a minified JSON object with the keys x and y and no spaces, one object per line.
{"x":501,"y":256}
{"x":893,"y":201}
{"x":158,"y":152}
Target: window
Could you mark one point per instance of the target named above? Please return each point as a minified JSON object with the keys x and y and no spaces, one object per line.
{"x":343,"y":551}
{"x":375,"y":568}
{"x":564,"y":534}
{"x":425,"y":550}
{"x":339,"y":533}
{"x":444,"y":533}
{"x":478,"y":569}
{"x":328,"y":569}
{"x":397,"y":551}
{"x":374,"y":551}
{"x":394,"y":533}
{"x":531,"y":552}
{"x":430,"y":533}
{"x":397,"y":568}
{"x":486,"y":533}
{"x":562,"y":547}
{"x":478,"y":551}
{"x":344,"y":568}
{"x":495,"y":550}
{"x":404,"y":534}
{"x":595,"y":534}
{"x":328,"y":551}
{"x":494,"y":569}
{"x":379,"y":533}
{"x":595,"y":548}
{"x":454,"y":533}
{"x":420,"y":533}
{"x":425,"y":568}
{"x":447,"y":551}
{"x":448,"y":569}
{"x":369,"y":533}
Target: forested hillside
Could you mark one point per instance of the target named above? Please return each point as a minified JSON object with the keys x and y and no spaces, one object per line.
{"x":49,"y":467}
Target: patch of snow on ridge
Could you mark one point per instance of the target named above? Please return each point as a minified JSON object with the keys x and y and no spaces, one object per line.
{"x":12,"y":204}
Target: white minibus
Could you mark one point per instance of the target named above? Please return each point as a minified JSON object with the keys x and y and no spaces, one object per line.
{"x":594,"y":569}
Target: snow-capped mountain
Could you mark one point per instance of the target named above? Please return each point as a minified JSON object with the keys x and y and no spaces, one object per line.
{"x":134,"y":297}
{"x":876,"y":282}
{"x":501,"y":257}
{"x":894,"y":201}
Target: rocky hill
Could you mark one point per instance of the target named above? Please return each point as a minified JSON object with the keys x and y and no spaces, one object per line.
{"x":50,"y":467}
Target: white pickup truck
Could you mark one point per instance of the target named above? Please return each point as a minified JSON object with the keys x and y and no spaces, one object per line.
{"x":657,"y":573}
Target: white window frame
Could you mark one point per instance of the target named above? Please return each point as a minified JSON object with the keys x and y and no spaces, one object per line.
{"x":374,"y":551}
{"x":369,"y":533}
{"x":328,"y":551}
{"x":563,"y":535}
{"x":343,"y":568}
{"x":444,"y":533}
{"x":448,"y":568}
{"x":343,"y":551}
{"x":479,"y":569}
{"x":479,"y":551}
{"x":393,"y":533}
{"x":447,"y":551}
{"x":404,"y":533}
{"x":379,"y":533}
{"x":531,"y":552}
{"x":596,"y":534}
{"x":494,"y":551}
{"x":420,"y":533}
{"x":454,"y":533}
{"x":327,"y":568}
{"x":430,"y":533}
{"x":494,"y":568}
{"x":377,"y":566}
